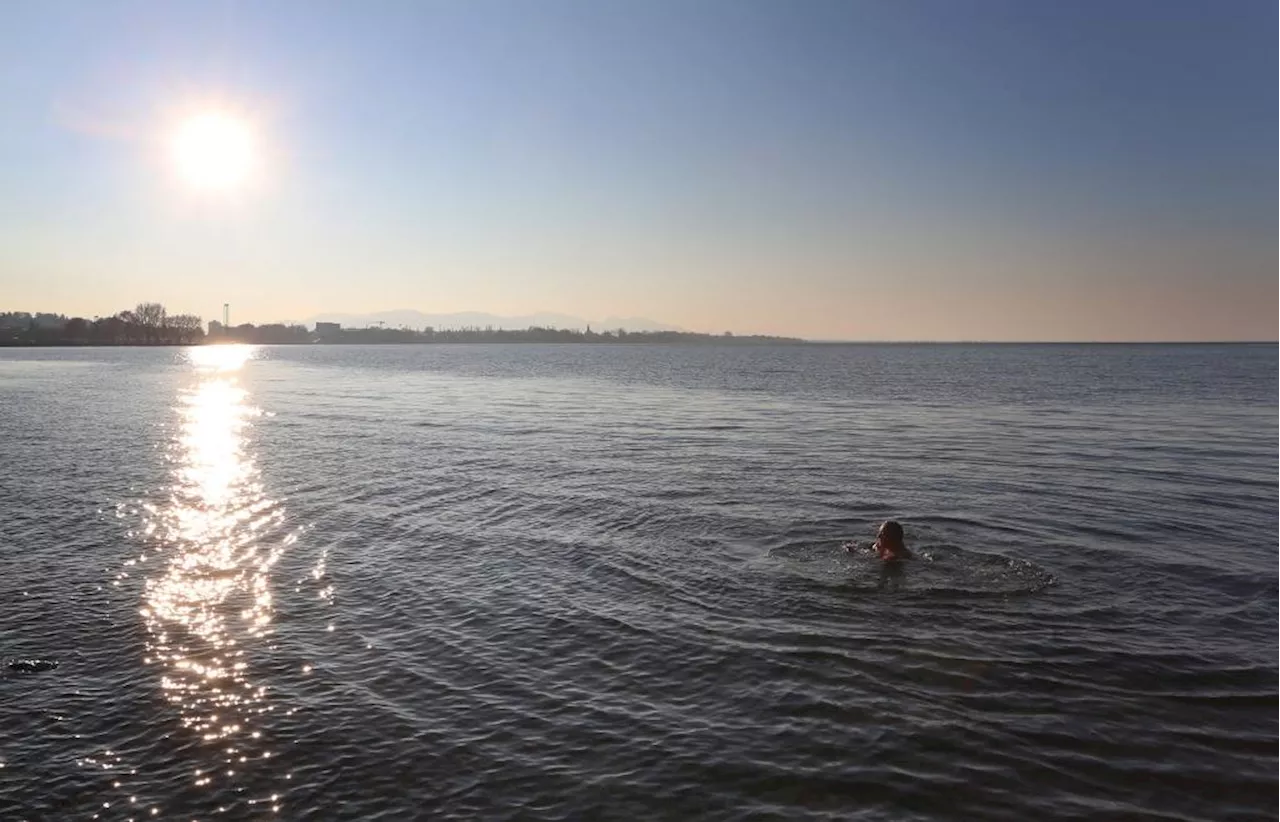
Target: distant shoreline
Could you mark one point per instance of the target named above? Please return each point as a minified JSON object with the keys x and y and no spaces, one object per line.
{"x":346,"y":344}
{"x":150,"y":325}
{"x":712,"y":341}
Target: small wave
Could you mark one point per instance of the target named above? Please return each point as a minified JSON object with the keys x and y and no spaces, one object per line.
{"x":31,"y":665}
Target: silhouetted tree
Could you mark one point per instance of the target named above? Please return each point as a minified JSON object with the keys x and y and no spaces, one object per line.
{"x":186,"y":328}
{"x":151,"y":318}
{"x":76,"y":330}
{"x":108,"y":331}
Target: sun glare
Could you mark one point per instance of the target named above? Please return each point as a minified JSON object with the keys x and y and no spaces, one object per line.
{"x":213,"y":151}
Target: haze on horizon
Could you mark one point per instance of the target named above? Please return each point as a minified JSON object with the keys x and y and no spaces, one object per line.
{"x":920,"y":170}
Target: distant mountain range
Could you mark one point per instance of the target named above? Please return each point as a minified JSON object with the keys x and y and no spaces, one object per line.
{"x":408,"y":318}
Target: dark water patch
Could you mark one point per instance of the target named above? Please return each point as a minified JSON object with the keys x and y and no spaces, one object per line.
{"x":30,"y":665}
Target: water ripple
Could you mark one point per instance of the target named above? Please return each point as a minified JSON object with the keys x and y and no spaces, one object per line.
{"x":498,"y":583}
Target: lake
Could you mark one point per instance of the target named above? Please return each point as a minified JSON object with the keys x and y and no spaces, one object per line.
{"x":607,"y":582}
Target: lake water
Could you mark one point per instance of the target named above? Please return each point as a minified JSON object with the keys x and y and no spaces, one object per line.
{"x":585,"y":582}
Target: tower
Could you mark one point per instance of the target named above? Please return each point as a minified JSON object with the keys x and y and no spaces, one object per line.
{"x":226,"y":315}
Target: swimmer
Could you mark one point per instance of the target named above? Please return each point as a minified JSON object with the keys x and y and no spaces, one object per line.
{"x":889,"y":545}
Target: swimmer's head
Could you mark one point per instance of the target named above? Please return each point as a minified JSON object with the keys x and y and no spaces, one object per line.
{"x":890,"y":532}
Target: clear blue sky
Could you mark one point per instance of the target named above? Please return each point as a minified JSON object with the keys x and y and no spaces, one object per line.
{"x":885,"y":170}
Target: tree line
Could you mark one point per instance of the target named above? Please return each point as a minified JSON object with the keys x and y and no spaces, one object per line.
{"x":268,"y":334}
{"x":145,"y":324}
{"x":151,"y":324}
{"x":533,"y":334}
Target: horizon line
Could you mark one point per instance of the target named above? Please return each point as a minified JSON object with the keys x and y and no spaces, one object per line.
{"x":780,"y":335}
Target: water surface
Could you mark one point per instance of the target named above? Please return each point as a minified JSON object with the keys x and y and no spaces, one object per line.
{"x":606,"y":582}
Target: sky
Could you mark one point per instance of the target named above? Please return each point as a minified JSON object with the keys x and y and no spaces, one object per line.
{"x":897,"y":170}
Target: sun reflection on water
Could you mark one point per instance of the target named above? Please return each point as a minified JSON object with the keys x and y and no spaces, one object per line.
{"x":209,"y":606}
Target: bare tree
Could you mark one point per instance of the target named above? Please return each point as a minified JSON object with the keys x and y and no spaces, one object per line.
{"x":152,"y":317}
{"x":125,"y":328}
{"x":186,"y":328}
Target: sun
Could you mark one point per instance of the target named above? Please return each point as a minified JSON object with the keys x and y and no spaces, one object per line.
{"x":214,"y":151}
